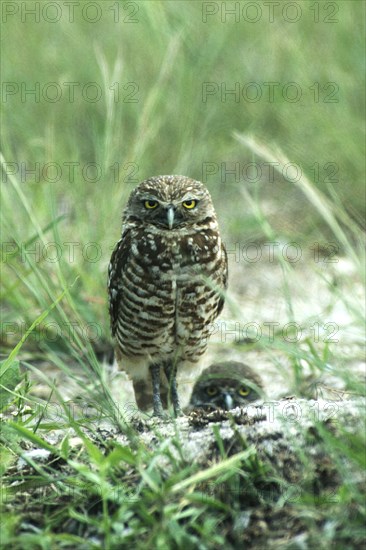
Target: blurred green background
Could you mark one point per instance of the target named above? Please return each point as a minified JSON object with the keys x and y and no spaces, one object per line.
{"x":96,"y":97}
{"x":127,"y":90}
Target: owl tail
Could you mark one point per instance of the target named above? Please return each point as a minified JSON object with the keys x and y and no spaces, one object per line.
{"x":144,"y":394}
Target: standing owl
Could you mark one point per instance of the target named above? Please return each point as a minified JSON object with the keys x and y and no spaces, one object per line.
{"x":226,"y":385}
{"x":167,"y":277}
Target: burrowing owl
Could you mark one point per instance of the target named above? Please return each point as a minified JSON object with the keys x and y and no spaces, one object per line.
{"x":226,"y":385}
{"x":167,"y":276}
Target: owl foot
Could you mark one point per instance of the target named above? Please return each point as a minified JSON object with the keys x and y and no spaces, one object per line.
{"x":157,"y":404}
{"x":171,"y":375}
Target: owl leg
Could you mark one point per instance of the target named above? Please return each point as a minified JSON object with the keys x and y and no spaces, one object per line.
{"x":155,"y":377}
{"x":171,"y":374}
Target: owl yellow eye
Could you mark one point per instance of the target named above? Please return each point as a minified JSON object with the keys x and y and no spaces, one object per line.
{"x":189,"y":204}
{"x":244,"y":391}
{"x":211,"y":391}
{"x":149,"y":205}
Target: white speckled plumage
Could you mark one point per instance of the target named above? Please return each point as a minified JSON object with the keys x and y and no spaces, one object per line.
{"x":166,"y":278}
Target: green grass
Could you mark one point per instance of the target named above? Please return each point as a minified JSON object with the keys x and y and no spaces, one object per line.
{"x":54,"y":313}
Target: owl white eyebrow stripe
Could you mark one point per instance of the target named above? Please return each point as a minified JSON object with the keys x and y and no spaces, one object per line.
{"x":150,"y":198}
{"x":190,"y":198}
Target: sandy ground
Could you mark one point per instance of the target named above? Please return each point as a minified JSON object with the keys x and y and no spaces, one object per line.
{"x":255,"y":308}
{"x":254,"y":328}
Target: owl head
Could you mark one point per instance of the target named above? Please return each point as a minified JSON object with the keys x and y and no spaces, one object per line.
{"x":170,"y":202}
{"x":226,"y":385}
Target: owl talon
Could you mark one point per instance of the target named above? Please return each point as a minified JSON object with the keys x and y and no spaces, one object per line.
{"x":158,"y":410}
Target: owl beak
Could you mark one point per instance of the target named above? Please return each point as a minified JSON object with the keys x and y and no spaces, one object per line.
{"x":170,"y":216}
{"x":228,"y":401}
